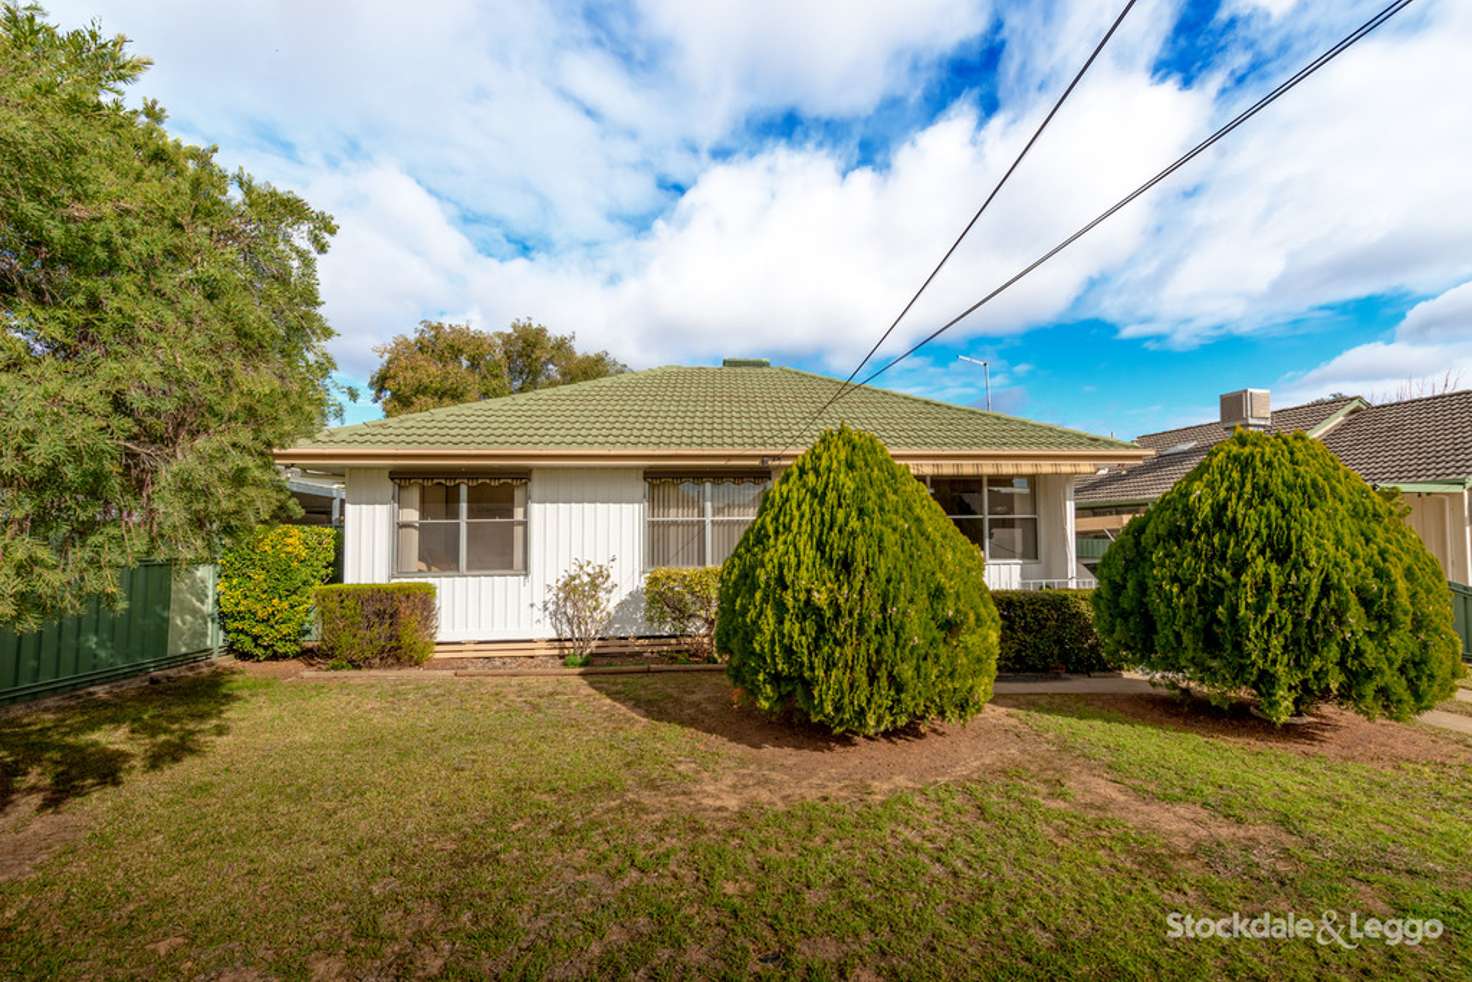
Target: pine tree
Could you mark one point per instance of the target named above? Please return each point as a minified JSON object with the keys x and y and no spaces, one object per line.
{"x":853,"y":600}
{"x":1273,"y":568}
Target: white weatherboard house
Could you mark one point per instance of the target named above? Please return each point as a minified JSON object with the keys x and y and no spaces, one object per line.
{"x":493,"y":501}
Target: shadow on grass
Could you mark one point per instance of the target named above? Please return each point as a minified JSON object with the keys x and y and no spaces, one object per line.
{"x":1189,"y":714}
{"x":71,"y":748}
{"x":710,"y":704}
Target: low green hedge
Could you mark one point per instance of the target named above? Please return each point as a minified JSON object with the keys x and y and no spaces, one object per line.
{"x":1049,"y":631}
{"x":370,"y":624}
{"x":265,"y":591}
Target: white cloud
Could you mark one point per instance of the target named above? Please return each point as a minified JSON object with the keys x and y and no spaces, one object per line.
{"x":783,"y":252}
{"x":558,"y":121}
{"x":1273,"y":8}
{"x":505,"y":160}
{"x":1354,"y":183}
{"x":1444,"y":318}
{"x":831,"y":59}
{"x":1432,"y":345}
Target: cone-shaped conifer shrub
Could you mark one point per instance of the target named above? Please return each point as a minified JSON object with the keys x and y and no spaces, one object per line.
{"x":853,"y":600}
{"x":1274,"y":568}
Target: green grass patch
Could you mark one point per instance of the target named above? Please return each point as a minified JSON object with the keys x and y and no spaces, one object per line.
{"x":392,"y":827}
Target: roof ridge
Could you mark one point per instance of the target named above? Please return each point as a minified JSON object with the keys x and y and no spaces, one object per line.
{"x":1272,"y":412}
{"x":965,"y":409}
{"x":1406,"y":402}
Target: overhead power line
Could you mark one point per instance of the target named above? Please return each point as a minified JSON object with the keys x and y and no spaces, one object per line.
{"x":974,"y":218}
{"x":1257,"y":107}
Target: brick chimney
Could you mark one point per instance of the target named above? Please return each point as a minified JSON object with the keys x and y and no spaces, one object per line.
{"x":1248,"y":408}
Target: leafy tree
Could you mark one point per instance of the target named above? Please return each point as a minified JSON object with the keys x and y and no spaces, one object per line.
{"x":1273,"y":568}
{"x":538,"y":359}
{"x":853,"y":600}
{"x":160,"y":330}
{"x":441,"y":365}
{"x":447,"y":364}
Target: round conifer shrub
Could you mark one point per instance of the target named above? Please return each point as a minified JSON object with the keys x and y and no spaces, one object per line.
{"x":854,"y":601}
{"x":1274,"y":569}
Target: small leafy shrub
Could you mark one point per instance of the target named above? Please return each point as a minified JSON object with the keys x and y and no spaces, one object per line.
{"x":853,"y":600}
{"x":1274,"y":569}
{"x":365,"y":625}
{"x":579,"y":608}
{"x":265,"y":588}
{"x":684,"y":602}
{"x":1049,"y":630}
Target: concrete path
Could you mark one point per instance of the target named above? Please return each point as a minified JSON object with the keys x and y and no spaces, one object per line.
{"x":1076,"y":684}
{"x":1447,"y":721}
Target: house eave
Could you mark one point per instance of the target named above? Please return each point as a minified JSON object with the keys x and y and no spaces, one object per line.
{"x":1451,"y":485}
{"x":1085,"y":461}
{"x":1083,"y":505}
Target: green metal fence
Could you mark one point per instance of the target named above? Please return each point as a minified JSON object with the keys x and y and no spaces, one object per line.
{"x":1462,"y":616}
{"x":169,"y":620}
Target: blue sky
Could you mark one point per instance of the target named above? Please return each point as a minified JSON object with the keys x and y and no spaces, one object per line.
{"x":680,"y":182}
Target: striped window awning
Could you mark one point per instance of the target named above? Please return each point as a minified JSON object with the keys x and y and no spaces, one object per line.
{"x":471,"y":478}
{"x":728,"y":477}
{"x":997,"y":468}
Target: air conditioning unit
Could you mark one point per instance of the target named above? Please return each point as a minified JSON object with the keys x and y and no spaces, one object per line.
{"x":1249,"y":408}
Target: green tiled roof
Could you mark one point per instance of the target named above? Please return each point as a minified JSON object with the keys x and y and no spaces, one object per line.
{"x":684,"y":408}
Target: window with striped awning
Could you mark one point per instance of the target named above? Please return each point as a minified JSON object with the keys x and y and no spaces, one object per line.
{"x":696,"y":520}
{"x":460,"y":525}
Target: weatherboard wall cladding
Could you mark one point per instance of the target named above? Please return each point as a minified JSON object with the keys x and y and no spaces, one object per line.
{"x":593,"y":514}
{"x":596,"y":514}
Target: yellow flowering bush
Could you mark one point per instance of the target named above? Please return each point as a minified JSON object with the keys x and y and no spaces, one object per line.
{"x":266,"y":584}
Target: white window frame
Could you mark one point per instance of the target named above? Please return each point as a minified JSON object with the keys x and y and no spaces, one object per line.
{"x":986,"y":515}
{"x":464,"y":521}
{"x":708,"y":518}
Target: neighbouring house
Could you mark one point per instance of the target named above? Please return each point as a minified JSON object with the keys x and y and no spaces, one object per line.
{"x":493,"y":501}
{"x":1422,"y":447}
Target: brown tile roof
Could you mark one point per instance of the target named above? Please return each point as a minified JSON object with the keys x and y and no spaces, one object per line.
{"x":1414,"y":441}
{"x":1143,"y":482}
{"x":1289,"y":420}
{"x":1418,"y":440}
{"x":1183,"y":448}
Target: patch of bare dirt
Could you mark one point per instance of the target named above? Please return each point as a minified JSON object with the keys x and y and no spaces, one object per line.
{"x":30,"y":835}
{"x":780,"y":761}
{"x":770,"y":762}
{"x":279,"y":668}
{"x":1331,"y":732}
{"x":1182,"y":824}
